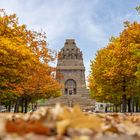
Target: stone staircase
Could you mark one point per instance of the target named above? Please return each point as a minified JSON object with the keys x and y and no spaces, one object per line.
{"x":83,"y":100}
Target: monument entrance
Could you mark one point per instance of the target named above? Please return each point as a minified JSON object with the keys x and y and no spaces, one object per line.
{"x":70,"y":87}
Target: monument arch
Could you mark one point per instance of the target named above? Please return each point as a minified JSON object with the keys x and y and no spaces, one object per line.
{"x":70,"y":87}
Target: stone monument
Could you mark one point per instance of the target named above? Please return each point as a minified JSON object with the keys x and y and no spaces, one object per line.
{"x":70,"y":72}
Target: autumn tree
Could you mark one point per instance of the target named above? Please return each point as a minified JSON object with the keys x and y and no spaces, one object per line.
{"x":39,"y":85}
{"x":113,"y":72}
{"x":137,"y":54}
{"x":24,"y":62}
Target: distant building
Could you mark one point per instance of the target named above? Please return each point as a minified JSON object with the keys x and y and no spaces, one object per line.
{"x":70,"y":72}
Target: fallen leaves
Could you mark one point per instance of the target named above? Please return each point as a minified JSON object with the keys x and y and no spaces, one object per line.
{"x":23,"y":127}
{"x":77,"y":119}
{"x":72,"y":123}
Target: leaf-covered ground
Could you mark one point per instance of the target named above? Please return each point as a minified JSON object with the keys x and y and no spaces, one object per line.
{"x":62,"y":123}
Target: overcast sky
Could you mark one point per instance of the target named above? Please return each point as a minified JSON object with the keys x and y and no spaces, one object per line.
{"x":90,"y":22}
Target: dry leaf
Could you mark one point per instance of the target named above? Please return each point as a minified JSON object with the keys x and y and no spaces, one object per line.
{"x":62,"y":126}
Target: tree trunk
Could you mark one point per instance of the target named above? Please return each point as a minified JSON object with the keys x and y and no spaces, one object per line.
{"x":113,"y":109}
{"x":0,"y":106}
{"x":133,"y":105}
{"x":129,"y":105}
{"x":124,"y":96}
{"x":9,"y":107}
{"x":22,"y":105}
{"x":33,"y":106}
{"x":137,"y":105}
{"x":116,"y":108}
{"x":124,"y":103}
{"x":26,"y":105}
{"x":36,"y":105}
{"x":106,"y":109}
{"x":16,"y":109}
{"x":120,"y":107}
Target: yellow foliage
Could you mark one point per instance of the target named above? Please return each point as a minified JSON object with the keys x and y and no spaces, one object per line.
{"x":24,"y":59}
{"x":115,"y":66}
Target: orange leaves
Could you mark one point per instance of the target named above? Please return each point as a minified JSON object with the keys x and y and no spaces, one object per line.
{"x":116,"y":61}
{"x":21,"y":127}
{"x":41,"y":82}
{"x":24,"y":59}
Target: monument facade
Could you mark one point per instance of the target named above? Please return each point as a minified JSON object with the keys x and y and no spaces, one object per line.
{"x":70,"y":73}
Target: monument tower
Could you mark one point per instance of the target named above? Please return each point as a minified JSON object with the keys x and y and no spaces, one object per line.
{"x":70,"y":72}
{"x":70,"y":69}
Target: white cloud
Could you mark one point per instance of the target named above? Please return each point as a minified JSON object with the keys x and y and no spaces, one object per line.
{"x":80,"y":19}
{"x":55,"y":17}
{"x":94,"y":32}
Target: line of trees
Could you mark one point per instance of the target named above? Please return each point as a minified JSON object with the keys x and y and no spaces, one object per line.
{"x":25,"y":74}
{"x":115,"y":71}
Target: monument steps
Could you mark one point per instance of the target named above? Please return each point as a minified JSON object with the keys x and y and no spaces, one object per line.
{"x":69,"y":100}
